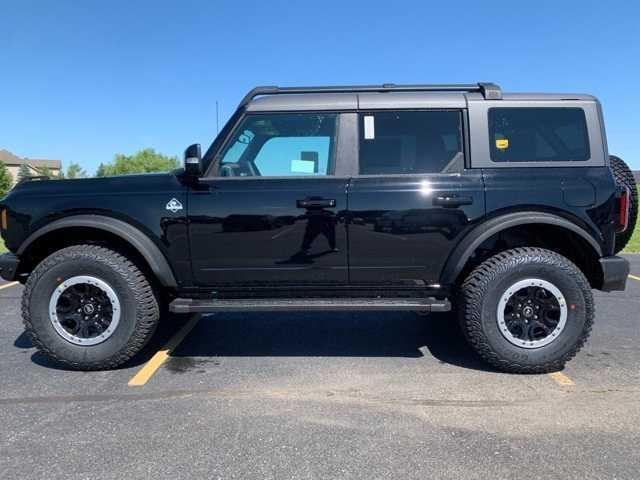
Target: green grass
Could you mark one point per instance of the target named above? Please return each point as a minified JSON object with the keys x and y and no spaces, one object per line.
{"x":634,"y":244}
{"x":2,"y":247}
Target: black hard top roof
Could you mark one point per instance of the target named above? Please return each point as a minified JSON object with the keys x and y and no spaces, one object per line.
{"x":490,"y":91}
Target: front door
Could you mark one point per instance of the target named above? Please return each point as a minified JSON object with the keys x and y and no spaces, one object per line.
{"x":272,"y":213}
{"x":412,"y":199}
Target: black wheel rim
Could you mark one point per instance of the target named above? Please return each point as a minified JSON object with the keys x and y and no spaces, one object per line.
{"x":84,"y":310}
{"x":532,"y":313}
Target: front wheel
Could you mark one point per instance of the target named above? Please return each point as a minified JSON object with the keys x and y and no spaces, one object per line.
{"x":526,"y":310}
{"x":89,"y":308}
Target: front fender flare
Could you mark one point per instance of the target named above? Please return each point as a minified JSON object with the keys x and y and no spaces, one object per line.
{"x":137,"y":239}
{"x":463,"y":251}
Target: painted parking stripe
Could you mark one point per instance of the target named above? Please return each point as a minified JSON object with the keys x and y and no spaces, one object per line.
{"x":634,"y":277}
{"x":152,"y":366}
{"x":562,"y":380}
{"x":10,"y":284}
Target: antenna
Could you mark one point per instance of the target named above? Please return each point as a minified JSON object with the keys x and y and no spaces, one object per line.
{"x":217,"y":119}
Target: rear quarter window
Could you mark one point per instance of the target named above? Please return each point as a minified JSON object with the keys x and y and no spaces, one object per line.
{"x":538,"y":134}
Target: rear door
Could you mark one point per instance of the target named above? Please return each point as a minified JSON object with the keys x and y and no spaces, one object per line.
{"x":412,"y":198}
{"x":272,"y":214}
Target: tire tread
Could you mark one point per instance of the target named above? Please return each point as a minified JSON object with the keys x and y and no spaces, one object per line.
{"x":624,"y":176}
{"x":474,"y":289}
{"x":147,"y":313}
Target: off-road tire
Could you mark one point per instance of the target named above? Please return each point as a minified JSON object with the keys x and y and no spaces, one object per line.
{"x":480,"y":293}
{"x":139,"y":307}
{"x":624,"y":176}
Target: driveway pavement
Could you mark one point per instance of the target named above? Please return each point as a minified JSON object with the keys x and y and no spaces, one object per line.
{"x":336,"y":396}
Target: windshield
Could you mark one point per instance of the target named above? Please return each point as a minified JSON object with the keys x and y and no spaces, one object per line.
{"x":217,"y":143}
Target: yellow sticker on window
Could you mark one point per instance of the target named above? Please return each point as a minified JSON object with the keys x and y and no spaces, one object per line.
{"x":502,"y":143}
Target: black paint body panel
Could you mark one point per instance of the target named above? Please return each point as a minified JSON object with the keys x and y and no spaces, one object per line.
{"x":138,"y":200}
{"x":585,"y":196}
{"x":254,"y":232}
{"x":386,"y":233}
{"x":397,"y":231}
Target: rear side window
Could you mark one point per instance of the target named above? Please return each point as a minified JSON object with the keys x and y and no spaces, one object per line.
{"x":538,"y":134}
{"x":404,"y":142}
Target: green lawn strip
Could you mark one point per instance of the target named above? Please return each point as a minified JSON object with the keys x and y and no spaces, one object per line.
{"x":634,"y":244}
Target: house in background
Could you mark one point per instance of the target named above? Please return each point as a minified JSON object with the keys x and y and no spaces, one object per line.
{"x":13,"y":163}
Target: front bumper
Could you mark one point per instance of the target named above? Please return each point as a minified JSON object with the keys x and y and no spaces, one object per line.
{"x":615,"y":271}
{"x":8,"y":266}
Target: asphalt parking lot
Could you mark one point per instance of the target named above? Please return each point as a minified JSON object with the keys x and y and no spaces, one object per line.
{"x":357,"y":395}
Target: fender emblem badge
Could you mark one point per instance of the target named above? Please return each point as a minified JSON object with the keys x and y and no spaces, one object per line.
{"x":174,"y":205}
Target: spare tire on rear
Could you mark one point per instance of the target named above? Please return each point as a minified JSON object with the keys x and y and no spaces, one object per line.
{"x":624,"y":176}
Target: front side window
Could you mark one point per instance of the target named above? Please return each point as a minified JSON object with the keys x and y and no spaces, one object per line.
{"x":281,"y":145}
{"x":405,"y":142}
{"x":538,"y":134}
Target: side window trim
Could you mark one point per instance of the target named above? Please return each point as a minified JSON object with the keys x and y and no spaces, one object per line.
{"x":335,"y":152}
{"x":347,"y":145}
{"x":466,"y":139}
{"x":479,"y":127}
{"x":546,"y":134}
{"x":464,"y":147}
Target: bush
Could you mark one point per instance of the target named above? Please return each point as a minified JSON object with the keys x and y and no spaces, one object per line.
{"x":144,"y":161}
{"x":6,"y":180}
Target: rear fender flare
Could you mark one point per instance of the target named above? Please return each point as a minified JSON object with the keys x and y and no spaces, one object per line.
{"x":463,"y":251}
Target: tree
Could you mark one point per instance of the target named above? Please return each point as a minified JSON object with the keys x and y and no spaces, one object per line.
{"x":6,"y":180}
{"x":144,"y":161}
{"x":74,"y":171}
{"x":23,"y":172}
{"x":46,"y":172}
{"x":102,"y":170}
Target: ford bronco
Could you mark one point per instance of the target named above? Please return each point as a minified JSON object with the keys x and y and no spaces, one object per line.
{"x":506,"y":208}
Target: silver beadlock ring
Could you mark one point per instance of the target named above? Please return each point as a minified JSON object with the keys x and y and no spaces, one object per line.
{"x":512,"y":290}
{"x":95,"y":282}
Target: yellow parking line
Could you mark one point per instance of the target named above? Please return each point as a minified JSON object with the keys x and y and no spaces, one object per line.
{"x":150,"y":368}
{"x":562,"y":380}
{"x":634,"y":277}
{"x":10,"y":284}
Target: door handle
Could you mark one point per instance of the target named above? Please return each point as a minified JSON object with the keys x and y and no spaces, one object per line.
{"x":316,"y":203}
{"x":452,"y":201}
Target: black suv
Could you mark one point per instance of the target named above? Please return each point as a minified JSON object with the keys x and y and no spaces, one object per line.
{"x":506,"y":208}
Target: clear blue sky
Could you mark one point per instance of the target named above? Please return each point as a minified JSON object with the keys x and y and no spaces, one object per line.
{"x":83,"y":80}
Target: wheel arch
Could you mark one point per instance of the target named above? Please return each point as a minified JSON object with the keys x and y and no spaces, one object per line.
{"x":138,"y":241}
{"x":461,"y":256}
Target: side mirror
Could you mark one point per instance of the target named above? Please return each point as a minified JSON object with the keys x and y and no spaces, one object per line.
{"x":193,"y":160}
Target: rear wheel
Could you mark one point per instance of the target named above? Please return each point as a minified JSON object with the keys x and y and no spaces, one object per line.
{"x":624,"y":176}
{"x":526,"y":310}
{"x":89,"y":308}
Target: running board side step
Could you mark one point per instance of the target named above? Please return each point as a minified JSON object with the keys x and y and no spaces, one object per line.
{"x":193,"y":305}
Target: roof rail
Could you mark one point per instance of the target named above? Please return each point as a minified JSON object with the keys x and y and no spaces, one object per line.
{"x":490,"y":91}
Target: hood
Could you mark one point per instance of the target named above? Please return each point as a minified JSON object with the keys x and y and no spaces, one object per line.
{"x":95,"y":185}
